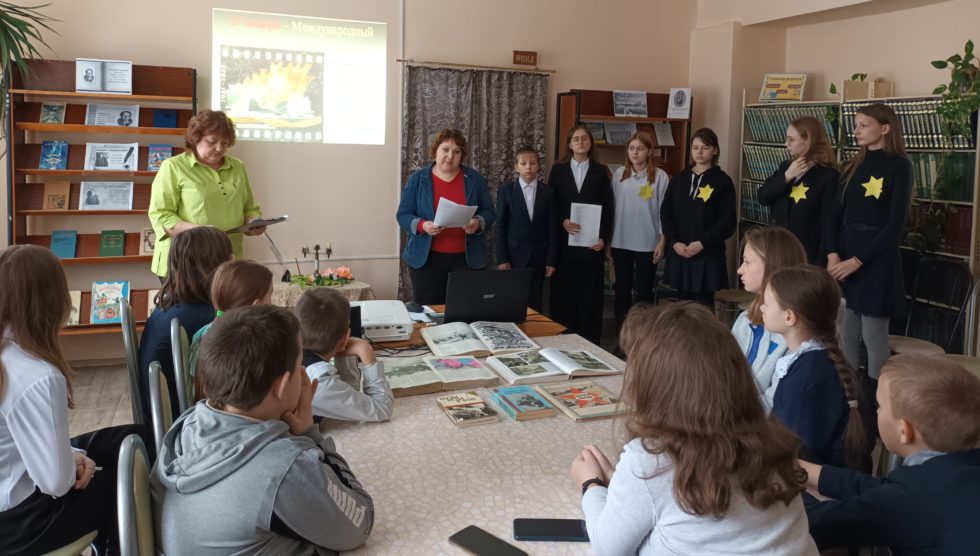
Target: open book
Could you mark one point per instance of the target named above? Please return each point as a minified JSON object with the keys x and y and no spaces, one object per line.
{"x":547,"y":365}
{"x":479,"y":339}
{"x":423,"y":375}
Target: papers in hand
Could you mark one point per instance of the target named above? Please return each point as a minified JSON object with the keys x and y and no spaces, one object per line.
{"x":588,"y":217}
{"x":258,"y":223}
{"x":453,"y":215}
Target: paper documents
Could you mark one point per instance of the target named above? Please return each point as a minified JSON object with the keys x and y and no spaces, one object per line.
{"x":588,"y":217}
{"x":453,"y":215}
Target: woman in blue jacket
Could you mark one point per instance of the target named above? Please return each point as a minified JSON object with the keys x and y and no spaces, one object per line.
{"x":433,"y":251}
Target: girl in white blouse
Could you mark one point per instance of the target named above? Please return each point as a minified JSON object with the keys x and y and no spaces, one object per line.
{"x":53,"y":489}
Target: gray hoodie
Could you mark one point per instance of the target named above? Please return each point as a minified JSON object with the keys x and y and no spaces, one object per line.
{"x":227,"y":484}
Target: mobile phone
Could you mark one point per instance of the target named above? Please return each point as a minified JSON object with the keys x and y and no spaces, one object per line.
{"x":477,"y":541}
{"x":568,"y":530}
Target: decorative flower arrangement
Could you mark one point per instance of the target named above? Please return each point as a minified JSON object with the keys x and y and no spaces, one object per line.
{"x":329,"y":277}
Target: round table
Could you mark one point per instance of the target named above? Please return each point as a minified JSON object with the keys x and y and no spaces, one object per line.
{"x":969,"y":363}
{"x":286,"y":295}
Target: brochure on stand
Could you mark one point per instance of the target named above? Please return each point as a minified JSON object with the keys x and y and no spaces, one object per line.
{"x":116,"y":115}
{"x":111,"y":156}
{"x":103,"y":76}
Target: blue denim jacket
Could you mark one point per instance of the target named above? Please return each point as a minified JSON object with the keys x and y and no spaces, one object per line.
{"x":417,"y":204}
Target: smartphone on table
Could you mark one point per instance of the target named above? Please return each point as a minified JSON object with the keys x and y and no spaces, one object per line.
{"x":477,"y":541}
{"x":562,"y":530}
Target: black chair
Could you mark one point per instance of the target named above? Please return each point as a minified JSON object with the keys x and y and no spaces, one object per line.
{"x":938,"y":297}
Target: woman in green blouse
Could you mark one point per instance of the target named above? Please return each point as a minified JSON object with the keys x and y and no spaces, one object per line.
{"x":202,"y":187}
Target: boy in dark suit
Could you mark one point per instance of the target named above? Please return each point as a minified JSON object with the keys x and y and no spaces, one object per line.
{"x":929,"y":414}
{"x":527,"y":225}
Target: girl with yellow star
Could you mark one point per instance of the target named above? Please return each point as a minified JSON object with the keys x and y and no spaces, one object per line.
{"x":637,"y":240}
{"x":801,"y":191}
{"x":869,"y":218}
{"x":697,"y":216}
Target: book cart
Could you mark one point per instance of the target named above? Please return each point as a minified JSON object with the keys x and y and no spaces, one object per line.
{"x":944,"y":173}
{"x":154,"y":87}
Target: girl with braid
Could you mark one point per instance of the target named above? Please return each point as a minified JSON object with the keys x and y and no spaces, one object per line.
{"x":816,"y":392}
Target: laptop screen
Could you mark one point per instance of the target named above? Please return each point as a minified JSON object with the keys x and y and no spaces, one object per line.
{"x":490,"y":295}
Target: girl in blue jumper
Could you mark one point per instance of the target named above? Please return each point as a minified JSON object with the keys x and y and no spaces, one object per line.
{"x":816,"y":391}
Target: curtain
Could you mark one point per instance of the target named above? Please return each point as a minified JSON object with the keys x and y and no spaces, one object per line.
{"x":497,"y":111}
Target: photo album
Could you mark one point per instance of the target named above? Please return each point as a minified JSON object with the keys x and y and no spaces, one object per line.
{"x":478,"y":339}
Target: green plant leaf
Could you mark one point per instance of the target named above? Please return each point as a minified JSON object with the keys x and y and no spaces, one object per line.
{"x":833,"y":89}
{"x":969,"y":47}
{"x":939,"y":90}
{"x":939,"y":64}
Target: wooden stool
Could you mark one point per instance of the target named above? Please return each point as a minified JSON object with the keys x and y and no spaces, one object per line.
{"x":907,"y":344}
{"x":969,"y":363}
{"x":729,"y":302}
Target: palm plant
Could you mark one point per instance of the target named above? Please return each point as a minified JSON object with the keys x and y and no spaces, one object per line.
{"x":20,"y":35}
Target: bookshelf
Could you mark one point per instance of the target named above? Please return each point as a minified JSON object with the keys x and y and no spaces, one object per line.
{"x":581,"y":106}
{"x":29,"y":222}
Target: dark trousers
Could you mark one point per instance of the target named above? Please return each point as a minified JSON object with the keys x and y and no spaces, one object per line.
{"x":429,"y":282}
{"x":629,"y":264}
{"x":41,"y":523}
{"x":576,"y":297}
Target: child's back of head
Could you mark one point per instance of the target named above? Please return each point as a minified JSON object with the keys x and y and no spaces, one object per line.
{"x":693,"y":397}
{"x":324,"y":317}
{"x":194,"y":256}
{"x":245,"y":351}
{"x":938,"y":397}
{"x":238,"y":283}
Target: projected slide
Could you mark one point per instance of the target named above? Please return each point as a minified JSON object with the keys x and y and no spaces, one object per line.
{"x":291,"y":78}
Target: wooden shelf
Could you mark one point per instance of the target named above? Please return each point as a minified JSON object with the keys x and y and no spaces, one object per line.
{"x":108,"y":96}
{"x":108,"y":260}
{"x":89,"y":329}
{"x":641,"y":119}
{"x":80,"y":212}
{"x":85,"y":173}
{"x":87,"y":248}
{"x":77,"y":128}
{"x":943,"y":201}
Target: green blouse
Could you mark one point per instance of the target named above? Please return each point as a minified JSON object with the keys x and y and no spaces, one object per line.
{"x":185,"y":190}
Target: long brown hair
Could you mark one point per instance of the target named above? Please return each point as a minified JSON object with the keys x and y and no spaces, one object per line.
{"x":194,"y":256}
{"x":701,"y":407}
{"x":811,"y":293}
{"x":651,"y":169}
{"x":778,"y":248}
{"x":820,"y":151}
{"x":568,"y":144}
{"x":894,"y":143}
{"x":239,"y":283}
{"x":34,"y":305}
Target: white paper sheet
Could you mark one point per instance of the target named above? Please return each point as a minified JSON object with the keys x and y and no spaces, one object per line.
{"x":453,"y":215}
{"x":588,"y":217}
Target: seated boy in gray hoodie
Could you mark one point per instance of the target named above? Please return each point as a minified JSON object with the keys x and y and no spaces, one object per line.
{"x":246,"y":471}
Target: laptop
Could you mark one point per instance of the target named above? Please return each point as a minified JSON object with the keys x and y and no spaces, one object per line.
{"x":490,"y":295}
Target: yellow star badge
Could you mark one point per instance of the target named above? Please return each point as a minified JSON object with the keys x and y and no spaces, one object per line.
{"x":873,"y":187}
{"x":704,"y":193}
{"x":799,"y":192}
{"x":646,"y":192}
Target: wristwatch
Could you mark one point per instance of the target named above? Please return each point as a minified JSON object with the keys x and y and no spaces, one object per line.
{"x":590,"y":482}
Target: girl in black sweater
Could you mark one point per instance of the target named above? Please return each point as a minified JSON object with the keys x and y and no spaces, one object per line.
{"x":868,"y":220}
{"x":802,"y":190}
{"x":697,"y":216}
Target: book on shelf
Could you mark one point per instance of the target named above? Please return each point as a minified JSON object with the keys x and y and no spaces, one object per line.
{"x":74,"y":316}
{"x":148,"y":241}
{"x":548,"y":365}
{"x":767,"y":124}
{"x":598,"y":132}
{"x":466,"y":409}
{"x":112,"y":243}
{"x":424,"y":375}
{"x":56,"y":195}
{"x":164,"y":117}
{"x":680,"y":103}
{"x":157,"y":154}
{"x":151,"y":301}
{"x":521,"y":403}
{"x":52,"y":113}
{"x":479,"y":339}
{"x":581,"y":401}
{"x":922,"y":126}
{"x":114,"y":115}
{"x":54,"y":155}
{"x":105,"y":195}
{"x":105,"y":301}
{"x":103,"y":76}
{"x":64,"y":242}
{"x":111,"y":156}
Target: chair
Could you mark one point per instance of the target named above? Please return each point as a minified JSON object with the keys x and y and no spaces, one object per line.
{"x":940,"y":289}
{"x":160,"y":413}
{"x":134,"y":506}
{"x":76,"y":547}
{"x":180,"y":348}
{"x":131,"y":345}
{"x":729,"y":302}
{"x":970,"y":312}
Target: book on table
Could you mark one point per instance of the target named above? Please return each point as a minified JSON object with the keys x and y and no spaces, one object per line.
{"x":521,"y":403}
{"x":478,"y":339}
{"x":424,"y":375}
{"x":582,"y":400}
{"x":466,"y":409}
{"x":548,"y":365}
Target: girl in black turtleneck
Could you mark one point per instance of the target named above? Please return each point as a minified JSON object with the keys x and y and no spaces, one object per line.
{"x":802,"y":190}
{"x":869,"y":218}
{"x":697,"y":216}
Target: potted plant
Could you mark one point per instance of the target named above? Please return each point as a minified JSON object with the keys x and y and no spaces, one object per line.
{"x":20,"y":33}
{"x":961,"y":96}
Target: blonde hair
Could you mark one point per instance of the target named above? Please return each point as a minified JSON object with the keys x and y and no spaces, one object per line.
{"x":778,"y":248}
{"x":820,"y":151}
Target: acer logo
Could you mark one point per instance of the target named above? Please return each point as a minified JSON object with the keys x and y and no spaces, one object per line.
{"x":489,"y":295}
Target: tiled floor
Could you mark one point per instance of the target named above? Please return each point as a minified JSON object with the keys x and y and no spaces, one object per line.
{"x":101,"y":399}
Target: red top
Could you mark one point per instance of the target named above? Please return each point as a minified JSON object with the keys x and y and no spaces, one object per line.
{"x":451,"y":240}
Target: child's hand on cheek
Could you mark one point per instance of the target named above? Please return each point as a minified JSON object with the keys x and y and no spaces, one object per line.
{"x":300,"y":418}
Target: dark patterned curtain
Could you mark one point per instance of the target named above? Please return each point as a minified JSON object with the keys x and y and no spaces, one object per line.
{"x":497,"y":111}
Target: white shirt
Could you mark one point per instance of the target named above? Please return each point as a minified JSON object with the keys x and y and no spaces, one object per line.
{"x":336,"y":399}
{"x":579,"y":169}
{"x":637,"y":223}
{"x":35,"y":449}
{"x":638,"y":514}
{"x":529,"y":189}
